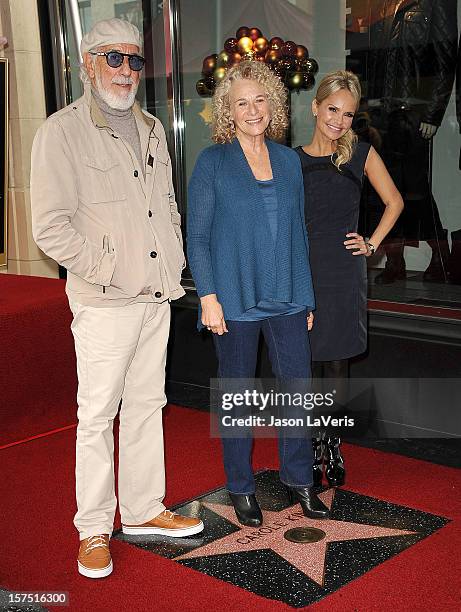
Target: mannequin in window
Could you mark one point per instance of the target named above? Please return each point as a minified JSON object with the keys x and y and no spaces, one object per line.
{"x":410,"y":73}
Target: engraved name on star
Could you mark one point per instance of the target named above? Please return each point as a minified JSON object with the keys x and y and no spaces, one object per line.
{"x":307,"y":558}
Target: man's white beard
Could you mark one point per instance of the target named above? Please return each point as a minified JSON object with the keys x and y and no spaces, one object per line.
{"x":112,"y":99}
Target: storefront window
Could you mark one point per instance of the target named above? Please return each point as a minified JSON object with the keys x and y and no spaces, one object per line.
{"x":406,"y":55}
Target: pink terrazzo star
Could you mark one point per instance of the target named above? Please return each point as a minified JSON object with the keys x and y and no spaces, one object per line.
{"x":308,"y":558}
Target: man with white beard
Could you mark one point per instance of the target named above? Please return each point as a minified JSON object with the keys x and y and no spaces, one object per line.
{"x":103,"y":206}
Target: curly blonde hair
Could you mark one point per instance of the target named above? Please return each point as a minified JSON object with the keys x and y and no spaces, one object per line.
{"x":330,"y":84}
{"x":223,"y":129}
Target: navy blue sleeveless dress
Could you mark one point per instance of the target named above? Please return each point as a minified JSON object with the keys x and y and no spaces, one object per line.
{"x":332,"y":201}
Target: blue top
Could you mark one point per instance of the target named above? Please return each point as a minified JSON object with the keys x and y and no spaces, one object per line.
{"x":270,"y":204}
{"x":230,"y":246}
{"x":265,"y":308}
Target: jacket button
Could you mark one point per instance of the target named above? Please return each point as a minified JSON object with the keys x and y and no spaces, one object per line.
{"x":158,"y":294}
{"x":153,"y":254}
{"x":135,"y":173}
{"x":150,"y":213}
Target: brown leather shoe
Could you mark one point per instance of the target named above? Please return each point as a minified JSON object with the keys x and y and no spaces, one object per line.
{"x":167,"y":523}
{"x":94,"y":560}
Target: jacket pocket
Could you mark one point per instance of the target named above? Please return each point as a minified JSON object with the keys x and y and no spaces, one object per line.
{"x":102,"y":181}
{"x":107,"y":244}
{"x":107,"y":247}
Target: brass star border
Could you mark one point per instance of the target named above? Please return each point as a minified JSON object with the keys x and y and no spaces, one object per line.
{"x":361,"y":533}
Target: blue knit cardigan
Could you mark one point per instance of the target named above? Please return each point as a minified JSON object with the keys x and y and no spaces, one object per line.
{"x":229,"y":243}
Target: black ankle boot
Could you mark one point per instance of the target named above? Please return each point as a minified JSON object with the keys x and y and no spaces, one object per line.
{"x":334,"y":462}
{"x":247,"y":509}
{"x":317,"y":464}
{"x":310,"y":503}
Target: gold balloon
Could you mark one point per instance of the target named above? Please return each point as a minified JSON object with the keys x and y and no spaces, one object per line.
{"x":219,"y":73}
{"x":295,"y":80}
{"x":245,"y":44}
{"x":261,"y":45}
{"x":224,"y":59}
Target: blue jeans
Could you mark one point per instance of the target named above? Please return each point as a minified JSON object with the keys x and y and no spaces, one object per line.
{"x":289,"y":352}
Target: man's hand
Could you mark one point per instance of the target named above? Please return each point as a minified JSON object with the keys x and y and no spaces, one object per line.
{"x":212,"y":314}
{"x":310,"y":321}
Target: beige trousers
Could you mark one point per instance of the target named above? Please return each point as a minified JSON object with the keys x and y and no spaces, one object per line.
{"x":121,"y":354}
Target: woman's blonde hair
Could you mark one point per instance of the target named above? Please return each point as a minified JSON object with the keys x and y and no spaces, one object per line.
{"x":330,"y":84}
{"x":223,"y":128}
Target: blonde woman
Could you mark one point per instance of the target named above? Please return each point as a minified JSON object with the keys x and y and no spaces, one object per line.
{"x":248,"y":253}
{"x":334,"y":164}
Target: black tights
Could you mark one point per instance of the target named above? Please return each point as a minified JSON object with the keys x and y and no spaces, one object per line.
{"x":338,"y":369}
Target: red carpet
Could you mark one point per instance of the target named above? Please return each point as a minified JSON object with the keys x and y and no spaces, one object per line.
{"x":37,"y":371}
{"x":39,"y":544}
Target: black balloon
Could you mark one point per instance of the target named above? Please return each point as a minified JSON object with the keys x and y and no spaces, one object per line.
{"x":231,"y":45}
{"x":287,"y":64}
{"x":276,"y":42}
{"x":241,"y":32}
{"x":289,"y":49}
{"x":308,"y":80}
{"x":202,"y":88}
{"x":279,"y":71}
{"x":302,"y":66}
{"x":210,"y":82}
{"x":311,"y":66}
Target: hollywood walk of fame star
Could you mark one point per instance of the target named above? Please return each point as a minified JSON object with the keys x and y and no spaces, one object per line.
{"x":308,"y":558}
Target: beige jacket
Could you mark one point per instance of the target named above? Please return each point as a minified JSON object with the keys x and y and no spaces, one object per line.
{"x":93,"y":212}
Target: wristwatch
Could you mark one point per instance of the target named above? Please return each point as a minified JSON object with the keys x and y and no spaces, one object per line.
{"x":371,"y":248}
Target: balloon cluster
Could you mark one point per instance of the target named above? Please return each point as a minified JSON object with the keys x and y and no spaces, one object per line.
{"x":291,"y":62}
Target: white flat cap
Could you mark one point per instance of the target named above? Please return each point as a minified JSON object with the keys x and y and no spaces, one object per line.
{"x":109,"y":32}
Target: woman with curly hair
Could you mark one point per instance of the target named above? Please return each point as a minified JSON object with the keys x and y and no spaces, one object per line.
{"x":248,"y":253}
{"x":334,"y":165}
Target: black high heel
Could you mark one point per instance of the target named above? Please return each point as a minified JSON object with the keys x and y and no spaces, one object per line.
{"x":318,"y":447}
{"x":311,"y":505}
{"x":247,"y":509}
{"x":334,"y":462}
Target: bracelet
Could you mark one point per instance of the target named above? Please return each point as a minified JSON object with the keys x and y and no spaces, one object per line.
{"x":371,"y":248}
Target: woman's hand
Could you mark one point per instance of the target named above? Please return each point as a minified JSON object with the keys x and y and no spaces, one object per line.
{"x":212,"y":314}
{"x":356,"y":241}
{"x":310,"y":321}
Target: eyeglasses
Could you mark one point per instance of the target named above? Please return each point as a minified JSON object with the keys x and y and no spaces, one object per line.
{"x":114,"y":59}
